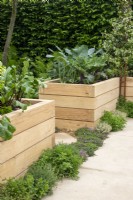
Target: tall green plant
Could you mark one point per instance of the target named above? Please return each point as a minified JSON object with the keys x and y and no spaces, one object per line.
{"x":77,"y":65}
{"x":119,"y":42}
{"x":61,"y":22}
{"x":13,"y":86}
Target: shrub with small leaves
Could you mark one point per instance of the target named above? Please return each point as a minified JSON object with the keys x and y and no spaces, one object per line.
{"x":44,"y":172}
{"x":125,"y":106}
{"x":103,"y":127}
{"x":89,"y":148}
{"x":116,"y":121}
{"x":88,"y":140}
{"x":83,"y":132}
{"x":65,"y":159}
{"x":120,"y":113}
{"x":20,"y":189}
{"x":91,"y":139}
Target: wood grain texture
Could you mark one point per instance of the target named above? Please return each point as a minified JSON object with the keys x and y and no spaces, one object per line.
{"x":110,"y":106}
{"x":129,"y":98}
{"x":129,"y":82}
{"x":74,"y":114}
{"x":106,"y":86}
{"x":34,"y":115}
{"x":26,"y":139}
{"x":83,"y":102}
{"x":129,"y":91}
{"x":84,"y":114}
{"x":22,"y":161}
{"x":80,"y":90}
{"x":73,"y":125}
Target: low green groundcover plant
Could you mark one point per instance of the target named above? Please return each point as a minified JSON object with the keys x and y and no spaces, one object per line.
{"x":89,"y":140}
{"x":88,"y":147}
{"x":90,"y":132}
{"x":116,"y":120}
{"x":103,"y":128}
{"x":61,"y":161}
{"x":64,"y":159}
{"x":125,"y":106}
{"x":45,"y":173}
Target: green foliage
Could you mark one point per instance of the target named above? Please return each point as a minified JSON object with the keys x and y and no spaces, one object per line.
{"x":130,"y":67}
{"x":37,"y":183}
{"x":6,"y":128}
{"x":62,"y":22}
{"x":116,"y":121}
{"x":89,"y":148}
{"x":82,"y":132}
{"x":125,"y":106}
{"x":121,"y":114}
{"x":46,"y":174}
{"x":78,"y":65}
{"x":17,"y":85}
{"x":13,"y":86}
{"x":65,"y":160}
{"x":119,"y":42}
{"x":20,"y":189}
{"x":2,"y":68}
{"x":36,"y":65}
{"x":103,"y":127}
{"x":39,"y":67}
{"x":89,"y":140}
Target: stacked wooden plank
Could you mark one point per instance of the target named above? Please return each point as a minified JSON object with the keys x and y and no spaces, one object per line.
{"x":35,"y":128}
{"x":80,"y":105}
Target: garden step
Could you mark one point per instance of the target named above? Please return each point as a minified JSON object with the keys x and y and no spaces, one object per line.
{"x":64,"y":138}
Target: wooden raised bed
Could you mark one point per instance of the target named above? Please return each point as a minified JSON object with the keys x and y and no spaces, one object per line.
{"x":129,"y":88}
{"x":79,"y":105}
{"x":35,"y":128}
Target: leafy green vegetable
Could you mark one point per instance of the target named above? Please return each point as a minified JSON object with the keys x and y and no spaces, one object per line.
{"x":116,"y":121}
{"x":77,"y":65}
{"x":6,"y":128}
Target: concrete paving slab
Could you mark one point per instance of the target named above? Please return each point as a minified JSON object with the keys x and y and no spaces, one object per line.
{"x":106,"y":176}
{"x":64,"y":138}
{"x":95,"y":185}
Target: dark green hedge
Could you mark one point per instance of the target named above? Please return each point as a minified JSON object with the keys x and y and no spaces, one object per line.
{"x":42,"y":25}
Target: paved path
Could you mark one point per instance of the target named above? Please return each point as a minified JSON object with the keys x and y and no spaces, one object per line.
{"x":106,"y":176}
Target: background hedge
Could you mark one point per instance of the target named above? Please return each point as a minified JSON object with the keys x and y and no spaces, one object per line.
{"x":42,"y":24}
